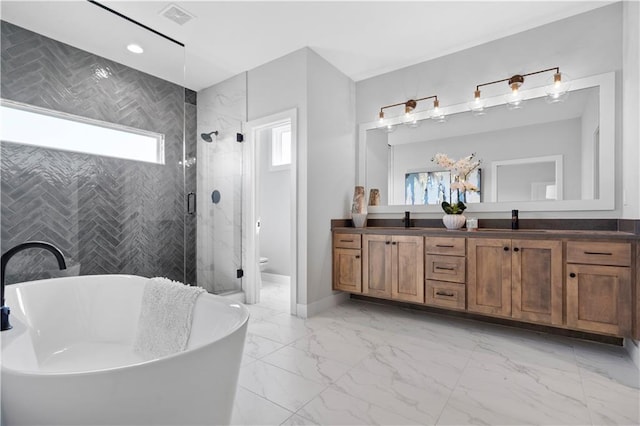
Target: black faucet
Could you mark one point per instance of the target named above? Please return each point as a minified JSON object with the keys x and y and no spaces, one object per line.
{"x":407,"y":219}
{"x":514,"y":219}
{"x":9,"y":254}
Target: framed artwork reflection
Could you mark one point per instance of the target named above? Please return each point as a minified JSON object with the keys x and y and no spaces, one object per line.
{"x":432,"y":188}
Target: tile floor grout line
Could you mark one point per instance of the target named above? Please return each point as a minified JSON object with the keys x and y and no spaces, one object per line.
{"x":455,"y":386}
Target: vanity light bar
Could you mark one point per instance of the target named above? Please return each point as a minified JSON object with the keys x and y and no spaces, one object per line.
{"x":556,"y":93}
{"x":409,"y":105}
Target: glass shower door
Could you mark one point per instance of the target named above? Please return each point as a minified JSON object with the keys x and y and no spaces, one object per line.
{"x":220,"y":239}
{"x":108,"y":215}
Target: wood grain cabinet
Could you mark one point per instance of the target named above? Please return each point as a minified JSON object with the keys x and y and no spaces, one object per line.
{"x":572,"y":282}
{"x":347,"y":262}
{"x":521,"y":279}
{"x":393,"y":267}
{"x":445,"y":272}
{"x":599,"y":287}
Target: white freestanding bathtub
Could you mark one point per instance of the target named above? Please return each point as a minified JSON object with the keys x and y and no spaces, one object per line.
{"x":69,"y":358}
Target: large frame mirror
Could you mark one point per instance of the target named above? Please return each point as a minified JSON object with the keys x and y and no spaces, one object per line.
{"x":542,"y":157}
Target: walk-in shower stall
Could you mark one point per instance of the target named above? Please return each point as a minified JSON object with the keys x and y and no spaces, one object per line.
{"x":104,"y":156}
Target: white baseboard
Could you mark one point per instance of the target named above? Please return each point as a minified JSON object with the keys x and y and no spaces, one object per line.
{"x":275,"y":278}
{"x":314,"y":308}
{"x":634,"y":351}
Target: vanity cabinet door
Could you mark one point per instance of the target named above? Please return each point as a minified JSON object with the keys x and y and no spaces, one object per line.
{"x":407,"y":263}
{"x":347,"y":270}
{"x":376,"y":265}
{"x":599,"y":298}
{"x":537,"y":281}
{"x":489,"y":276}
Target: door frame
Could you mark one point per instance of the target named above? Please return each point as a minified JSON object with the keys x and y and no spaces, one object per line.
{"x":250,"y":203}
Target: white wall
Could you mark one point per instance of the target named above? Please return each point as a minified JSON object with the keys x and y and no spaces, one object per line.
{"x":325,"y":99}
{"x":274,"y":87}
{"x":631,"y":109}
{"x":583,"y":45}
{"x":330,"y":165}
{"x":275,"y":207}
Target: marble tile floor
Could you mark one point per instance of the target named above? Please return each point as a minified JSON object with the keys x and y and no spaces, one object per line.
{"x":362,"y":363}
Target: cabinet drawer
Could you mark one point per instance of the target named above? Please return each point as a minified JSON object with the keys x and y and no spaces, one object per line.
{"x":347,"y":240}
{"x":448,"y":246}
{"x":448,"y":295}
{"x":445,"y":268}
{"x":591,"y":253}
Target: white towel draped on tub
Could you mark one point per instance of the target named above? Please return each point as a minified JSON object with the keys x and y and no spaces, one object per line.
{"x":165,"y":318}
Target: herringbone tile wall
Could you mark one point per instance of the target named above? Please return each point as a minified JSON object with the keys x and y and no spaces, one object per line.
{"x":107,"y":215}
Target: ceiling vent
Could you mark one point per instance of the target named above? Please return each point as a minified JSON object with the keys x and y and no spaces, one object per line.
{"x":176,"y":14}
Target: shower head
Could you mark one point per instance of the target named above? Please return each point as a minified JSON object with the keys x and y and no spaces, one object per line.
{"x":207,"y":136}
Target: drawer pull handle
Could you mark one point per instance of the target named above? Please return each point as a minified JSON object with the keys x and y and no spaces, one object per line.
{"x":599,"y":253}
{"x":346,"y":241}
{"x":444,"y":293}
{"x":446,"y":268}
{"x":445,"y":245}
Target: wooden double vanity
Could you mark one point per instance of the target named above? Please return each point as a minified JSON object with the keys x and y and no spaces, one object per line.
{"x":577,"y":280}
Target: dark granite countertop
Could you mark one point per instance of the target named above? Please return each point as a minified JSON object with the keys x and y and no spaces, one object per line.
{"x":492,"y":232}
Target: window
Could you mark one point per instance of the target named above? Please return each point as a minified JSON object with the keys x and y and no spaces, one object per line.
{"x":280,"y":147}
{"x":29,"y":125}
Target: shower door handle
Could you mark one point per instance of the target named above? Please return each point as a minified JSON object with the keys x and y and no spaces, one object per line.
{"x":191,"y":203}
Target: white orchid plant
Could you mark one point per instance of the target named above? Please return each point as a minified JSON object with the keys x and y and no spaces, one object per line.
{"x":460,"y":171}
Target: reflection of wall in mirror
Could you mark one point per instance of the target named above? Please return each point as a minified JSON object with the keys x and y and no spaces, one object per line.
{"x":525,"y":182}
{"x":378,"y":164}
{"x":590,"y":147}
{"x":555,"y":138}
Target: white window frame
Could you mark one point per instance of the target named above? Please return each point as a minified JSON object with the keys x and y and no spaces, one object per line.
{"x":30,"y":125}
{"x":276,"y":148}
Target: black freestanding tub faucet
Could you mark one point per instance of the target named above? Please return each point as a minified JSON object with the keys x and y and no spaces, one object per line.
{"x":9,"y":254}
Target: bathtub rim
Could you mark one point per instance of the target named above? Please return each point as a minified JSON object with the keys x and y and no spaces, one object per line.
{"x":39,"y":373}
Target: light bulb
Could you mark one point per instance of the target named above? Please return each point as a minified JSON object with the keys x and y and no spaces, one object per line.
{"x":436,"y":113}
{"x":558,"y":91}
{"x":389,"y":128}
{"x":514,"y":100}
{"x":477,"y":105}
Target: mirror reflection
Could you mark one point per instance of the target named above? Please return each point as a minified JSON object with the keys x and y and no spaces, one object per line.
{"x":542,"y":152}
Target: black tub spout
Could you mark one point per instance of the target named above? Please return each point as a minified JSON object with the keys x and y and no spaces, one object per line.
{"x":9,"y":254}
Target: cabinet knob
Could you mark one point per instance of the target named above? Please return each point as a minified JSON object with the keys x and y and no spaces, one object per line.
{"x":394,"y":243}
{"x":357,"y":257}
{"x":572,"y":275}
{"x":506,"y":249}
{"x":516,"y":249}
{"x":387,"y":242}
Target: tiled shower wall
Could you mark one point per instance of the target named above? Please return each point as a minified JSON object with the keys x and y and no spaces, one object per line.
{"x":221,"y":107}
{"x":107,"y":215}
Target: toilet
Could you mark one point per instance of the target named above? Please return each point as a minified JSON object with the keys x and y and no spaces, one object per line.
{"x":263,"y":263}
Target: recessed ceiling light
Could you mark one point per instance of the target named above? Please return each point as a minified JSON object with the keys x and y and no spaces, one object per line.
{"x":135,"y":48}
